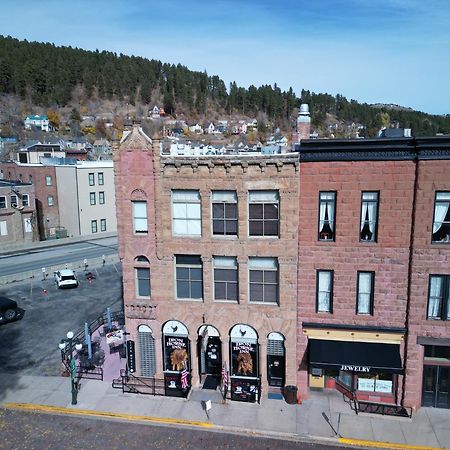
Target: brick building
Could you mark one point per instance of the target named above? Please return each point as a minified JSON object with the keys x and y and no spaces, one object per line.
{"x":327,"y":268}
{"x":366,"y":263}
{"x":219,"y":238}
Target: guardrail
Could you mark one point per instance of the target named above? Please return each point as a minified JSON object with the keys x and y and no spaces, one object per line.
{"x":138,"y":385}
{"x":384,"y":409}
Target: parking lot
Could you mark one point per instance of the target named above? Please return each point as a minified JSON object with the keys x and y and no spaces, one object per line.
{"x":30,"y":345}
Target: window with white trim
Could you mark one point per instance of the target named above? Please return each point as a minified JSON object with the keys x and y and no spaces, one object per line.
{"x":92,"y":198}
{"x":263,"y":280}
{"x":224,"y":213}
{"x":25,"y":200}
{"x":263,"y":213}
{"x":441,"y":220}
{"x":101,"y":179}
{"x":50,"y":201}
{"x":102,"y":224}
{"x":186,"y":213}
{"x":140,"y":224}
{"x":91,"y":177}
{"x":94,"y":228}
{"x":225,"y":278}
{"x":101,"y":198}
{"x":48,"y":180}
{"x":13,"y":201}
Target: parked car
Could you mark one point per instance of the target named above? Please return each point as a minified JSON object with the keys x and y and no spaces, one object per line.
{"x":66,"y":278}
{"x":9,"y":310}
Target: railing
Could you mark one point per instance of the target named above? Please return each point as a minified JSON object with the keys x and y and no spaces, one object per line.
{"x":385,"y":409}
{"x":138,"y":385}
{"x":95,"y":373}
{"x":116,"y":316}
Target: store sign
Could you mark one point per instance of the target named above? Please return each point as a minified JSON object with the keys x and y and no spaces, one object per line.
{"x":244,"y":356}
{"x":131,"y":357}
{"x":244,"y":390}
{"x":355,"y":368}
{"x":176,"y":353}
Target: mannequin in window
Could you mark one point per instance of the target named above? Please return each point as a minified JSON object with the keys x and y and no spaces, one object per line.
{"x":326,"y":232}
{"x":366,"y":234}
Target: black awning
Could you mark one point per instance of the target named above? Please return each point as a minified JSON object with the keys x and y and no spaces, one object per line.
{"x":355,"y":356}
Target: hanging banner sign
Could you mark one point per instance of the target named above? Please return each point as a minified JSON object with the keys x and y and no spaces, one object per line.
{"x":131,"y":357}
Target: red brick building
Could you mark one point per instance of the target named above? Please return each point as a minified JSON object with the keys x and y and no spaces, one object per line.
{"x":366,"y":258}
{"x":209,"y":256}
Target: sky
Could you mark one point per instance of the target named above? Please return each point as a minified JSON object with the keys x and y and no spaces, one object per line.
{"x":374,"y":51}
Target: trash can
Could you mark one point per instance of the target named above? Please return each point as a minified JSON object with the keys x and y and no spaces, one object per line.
{"x":290,"y":394}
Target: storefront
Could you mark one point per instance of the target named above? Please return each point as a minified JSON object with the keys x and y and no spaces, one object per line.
{"x":176,"y":363}
{"x":436,"y":374}
{"x":244,"y":369}
{"x":209,"y":351}
{"x":367,"y":370}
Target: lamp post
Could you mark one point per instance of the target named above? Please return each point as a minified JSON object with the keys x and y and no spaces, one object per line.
{"x":73,"y":368}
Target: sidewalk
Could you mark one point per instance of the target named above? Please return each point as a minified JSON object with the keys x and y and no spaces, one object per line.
{"x":429,"y":427}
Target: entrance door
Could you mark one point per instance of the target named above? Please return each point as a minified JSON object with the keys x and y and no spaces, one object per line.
{"x":275,"y":370}
{"x":436,"y":386}
{"x":213,"y":356}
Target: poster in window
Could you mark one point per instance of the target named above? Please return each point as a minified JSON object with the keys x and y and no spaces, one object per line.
{"x":175,"y":353}
{"x":244,"y":359}
{"x":383,"y":386}
{"x":366,"y":384}
{"x":244,"y":390}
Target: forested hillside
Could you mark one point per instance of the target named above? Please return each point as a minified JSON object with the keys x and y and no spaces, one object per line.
{"x":49,"y":75}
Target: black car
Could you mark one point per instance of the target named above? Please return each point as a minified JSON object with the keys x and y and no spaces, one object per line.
{"x":9,"y":310}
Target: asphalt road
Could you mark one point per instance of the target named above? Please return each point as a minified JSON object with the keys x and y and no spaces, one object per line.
{"x":30,"y":345}
{"x":36,"y":258}
{"x":33,"y":430}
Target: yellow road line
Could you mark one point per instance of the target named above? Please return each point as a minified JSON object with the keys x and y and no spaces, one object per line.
{"x":87,"y":412}
{"x":389,"y":445}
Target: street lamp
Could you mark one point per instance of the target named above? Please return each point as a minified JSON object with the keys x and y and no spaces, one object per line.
{"x":73,"y":369}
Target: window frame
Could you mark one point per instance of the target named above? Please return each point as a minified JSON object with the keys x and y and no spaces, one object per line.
{"x":330,"y":304}
{"x":50,"y":200}
{"x":102,"y":225}
{"x":372,"y":292}
{"x":135,"y":217}
{"x":189,"y":280}
{"x":3,"y":202}
{"x":263,"y":283}
{"x":334,"y":200}
{"x":100,"y":178}
{"x":13,"y":200}
{"x":94,"y":226}
{"x":444,"y":300}
{"x":224,"y":219}
{"x":92,"y":198}
{"x":374,"y":240}
{"x":27,"y":201}
{"x":91,"y":178}
{"x":228,"y":283}
{"x":263,"y":220}
{"x":48,"y":180}
{"x":137,"y":279}
{"x":101,"y":198}
{"x":434,"y":216}
{"x":185,"y":219}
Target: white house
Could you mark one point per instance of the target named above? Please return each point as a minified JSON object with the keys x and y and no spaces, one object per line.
{"x":37,"y":123}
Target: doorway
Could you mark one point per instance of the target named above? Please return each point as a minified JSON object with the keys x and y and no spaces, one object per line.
{"x":436,"y":382}
{"x":209,"y":349}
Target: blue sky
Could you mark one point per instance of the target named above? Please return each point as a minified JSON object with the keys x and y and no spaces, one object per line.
{"x":391,"y":51}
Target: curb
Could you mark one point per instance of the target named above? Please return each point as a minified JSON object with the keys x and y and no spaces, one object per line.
{"x":389,"y":445}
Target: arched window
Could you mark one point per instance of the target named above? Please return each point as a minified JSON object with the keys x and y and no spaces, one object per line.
{"x":147,"y":351}
{"x":142,"y":276}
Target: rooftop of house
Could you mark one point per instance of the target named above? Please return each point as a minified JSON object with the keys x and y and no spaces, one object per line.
{"x":36,"y":117}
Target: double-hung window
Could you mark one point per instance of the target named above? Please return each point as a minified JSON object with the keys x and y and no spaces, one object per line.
{"x":91,"y":179}
{"x":224,"y":213}
{"x":50,"y":200}
{"x":142,"y":281}
{"x":48,"y":180}
{"x":324,"y":291}
{"x":263,"y":213}
{"x":225,"y":278}
{"x":102,"y":224}
{"x":439,"y":298}
{"x":441,"y":221}
{"x":25,"y":200}
{"x":365,"y":289}
{"x":369,"y":216}
{"x":13,"y":201}
{"x":186,"y":213}
{"x":2,"y":202}
{"x":94,"y":227}
{"x":189,"y":277}
{"x":101,"y":198}
{"x":140,"y":224}
{"x":92,"y":198}
{"x":263,"y":280}
{"x":327,"y":211}
{"x":101,"y":179}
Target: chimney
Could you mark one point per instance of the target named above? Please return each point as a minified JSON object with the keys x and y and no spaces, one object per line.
{"x":303,"y":123}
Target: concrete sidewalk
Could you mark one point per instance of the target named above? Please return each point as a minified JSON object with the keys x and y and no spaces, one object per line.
{"x":429,"y":428}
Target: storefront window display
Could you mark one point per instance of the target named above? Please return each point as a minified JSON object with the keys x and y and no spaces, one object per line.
{"x":367,"y":382}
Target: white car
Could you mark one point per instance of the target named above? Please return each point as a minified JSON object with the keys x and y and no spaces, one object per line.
{"x":66,"y":278}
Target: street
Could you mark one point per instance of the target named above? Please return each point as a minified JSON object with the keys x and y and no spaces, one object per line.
{"x":33,"y":430}
{"x":36,"y":258}
{"x":30,"y":345}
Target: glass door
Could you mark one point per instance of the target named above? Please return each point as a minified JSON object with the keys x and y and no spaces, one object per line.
{"x":436,"y":386}
{"x":443,"y":400}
